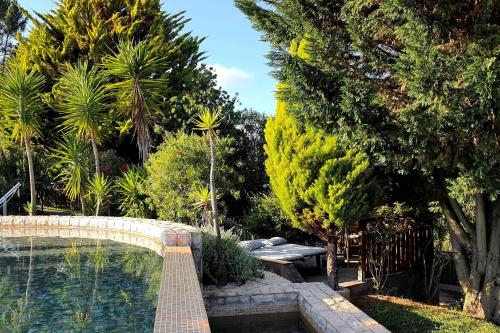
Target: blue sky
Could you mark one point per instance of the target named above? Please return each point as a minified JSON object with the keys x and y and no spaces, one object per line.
{"x":232,"y":47}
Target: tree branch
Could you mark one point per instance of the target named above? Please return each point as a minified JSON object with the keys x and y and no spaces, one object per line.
{"x":469,"y":227}
{"x":454,"y":227}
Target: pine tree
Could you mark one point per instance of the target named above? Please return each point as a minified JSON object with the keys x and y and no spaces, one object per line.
{"x":12,"y":21}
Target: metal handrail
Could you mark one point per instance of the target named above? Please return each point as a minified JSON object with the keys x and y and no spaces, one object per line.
{"x":5,"y":199}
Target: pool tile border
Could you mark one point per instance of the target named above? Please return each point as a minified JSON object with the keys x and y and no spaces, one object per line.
{"x":323,"y":308}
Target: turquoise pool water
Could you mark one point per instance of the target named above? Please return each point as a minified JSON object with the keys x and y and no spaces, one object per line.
{"x":77,"y":285}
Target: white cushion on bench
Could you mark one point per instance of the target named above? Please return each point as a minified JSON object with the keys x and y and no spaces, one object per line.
{"x":288,"y":252}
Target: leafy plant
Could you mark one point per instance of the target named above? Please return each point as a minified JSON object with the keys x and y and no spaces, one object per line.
{"x":224,"y":261}
{"x":138,"y":68}
{"x":21,"y":107}
{"x":132,"y":198}
{"x":72,"y":166}
{"x":178,"y":168}
{"x":208,"y":121}
{"x":83,"y":102}
{"x":99,"y":190}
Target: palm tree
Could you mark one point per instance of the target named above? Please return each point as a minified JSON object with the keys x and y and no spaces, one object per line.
{"x":21,"y":106}
{"x":99,"y":188}
{"x":208,"y":122}
{"x":72,"y":166}
{"x":82,"y":100}
{"x":138,"y":71}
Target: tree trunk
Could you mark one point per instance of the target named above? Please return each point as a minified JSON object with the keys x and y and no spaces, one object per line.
{"x":476,"y":247}
{"x":97,"y":208}
{"x":96,"y":156}
{"x":32,"y":176}
{"x":331,"y":262}
{"x":82,"y":202}
{"x":213,"y":194}
{"x":30,"y":276}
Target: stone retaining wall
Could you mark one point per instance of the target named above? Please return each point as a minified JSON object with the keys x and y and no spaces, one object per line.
{"x":159,"y":232}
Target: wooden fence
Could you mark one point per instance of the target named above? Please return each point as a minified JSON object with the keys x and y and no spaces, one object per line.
{"x":449,"y":273}
{"x":407,"y":250}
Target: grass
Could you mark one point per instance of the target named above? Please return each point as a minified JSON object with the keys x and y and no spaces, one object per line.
{"x":59,"y":211}
{"x":405,"y":316}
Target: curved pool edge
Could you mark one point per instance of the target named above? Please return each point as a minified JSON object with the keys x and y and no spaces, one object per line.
{"x":165,"y":232}
{"x":180,"y":306}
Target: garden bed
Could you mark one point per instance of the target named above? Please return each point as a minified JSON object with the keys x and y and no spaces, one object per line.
{"x":402,"y":315}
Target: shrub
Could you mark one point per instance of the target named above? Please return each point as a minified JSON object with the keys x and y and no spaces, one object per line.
{"x":179,"y":168}
{"x":266,"y":219}
{"x":133,"y":202}
{"x":230,"y":263}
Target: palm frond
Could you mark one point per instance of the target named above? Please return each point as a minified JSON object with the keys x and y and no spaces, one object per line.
{"x":140,"y":83}
{"x":208,"y":121}
{"x":20,"y":101}
{"x":82,"y":100}
{"x":131,"y":197}
{"x":72,"y":163}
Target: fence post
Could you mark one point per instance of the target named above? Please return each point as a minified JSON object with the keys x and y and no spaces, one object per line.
{"x":362,"y":258}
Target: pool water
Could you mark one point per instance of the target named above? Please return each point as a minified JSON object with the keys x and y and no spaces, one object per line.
{"x":77,"y":285}
{"x":266,"y":323}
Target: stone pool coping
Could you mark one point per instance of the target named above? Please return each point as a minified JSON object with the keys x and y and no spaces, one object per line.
{"x":180,"y":304}
{"x":164,"y":232}
{"x":323,"y":308}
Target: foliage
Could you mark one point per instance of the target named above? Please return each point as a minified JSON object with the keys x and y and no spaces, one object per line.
{"x":416,"y":88}
{"x":224,"y":261}
{"x":178,"y":168}
{"x":208,"y":121}
{"x":20,"y":101}
{"x":99,"y":191}
{"x":131,"y":197}
{"x":320,"y":186}
{"x":71,"y":164}
{"x":265,"y":219}
{"x":201,"y":198}
{"x":82,"y":100}
{"x":139,"y":88}
{"x":20,"y":112}
{"x":11,"y":164}
{"x":111,"y":164}
{"x":246,"y":127}
{"x":12,"y":21}
{"x":81,"y":30}
{"x":84,"y":29}
{"x":387,"y":222}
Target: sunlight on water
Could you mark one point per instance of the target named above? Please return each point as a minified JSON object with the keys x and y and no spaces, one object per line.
{"x":77,"y":285}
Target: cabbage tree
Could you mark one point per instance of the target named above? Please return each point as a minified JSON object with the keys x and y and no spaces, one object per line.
{"x":20,"y":110}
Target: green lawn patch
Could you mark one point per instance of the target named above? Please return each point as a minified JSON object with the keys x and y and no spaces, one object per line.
{"x":402,"y":315}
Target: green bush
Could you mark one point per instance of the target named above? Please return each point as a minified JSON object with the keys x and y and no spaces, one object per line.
{"x":231,"y":264}
{"x":266,"y":219}
{"x":179,"y":168}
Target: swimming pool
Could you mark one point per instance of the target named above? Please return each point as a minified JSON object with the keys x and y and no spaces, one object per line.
{"x":77,"y":285}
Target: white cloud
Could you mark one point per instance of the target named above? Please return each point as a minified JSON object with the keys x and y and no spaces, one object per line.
{"x":231,"y":77}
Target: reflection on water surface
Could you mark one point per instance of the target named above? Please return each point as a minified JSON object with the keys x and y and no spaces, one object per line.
{"x":77,"y":285}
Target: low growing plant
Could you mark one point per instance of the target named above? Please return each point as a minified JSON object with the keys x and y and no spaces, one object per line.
{"x":231,"y":264}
